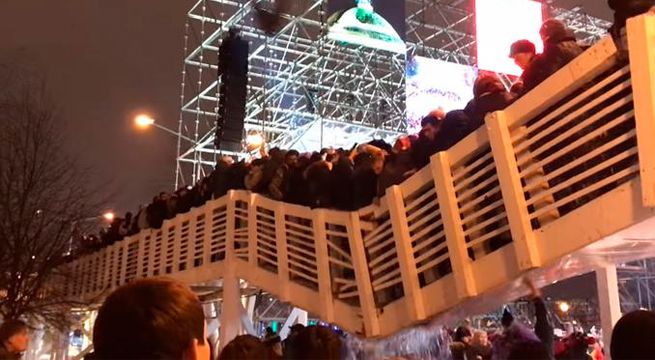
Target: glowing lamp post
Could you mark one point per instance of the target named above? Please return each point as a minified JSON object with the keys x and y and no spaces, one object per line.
{"x":144,"y":121}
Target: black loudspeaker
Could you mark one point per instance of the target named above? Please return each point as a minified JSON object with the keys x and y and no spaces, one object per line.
{"x":233,"y":74}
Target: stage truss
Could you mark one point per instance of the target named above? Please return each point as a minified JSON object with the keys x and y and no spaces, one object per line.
{"x":307,"y":92}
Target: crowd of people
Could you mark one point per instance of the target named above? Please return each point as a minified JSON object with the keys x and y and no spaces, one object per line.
{"x":349,"y":179}
{"x":163,"y":319}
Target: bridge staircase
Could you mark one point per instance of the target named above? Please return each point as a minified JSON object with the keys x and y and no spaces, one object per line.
{"x":558,"y":183}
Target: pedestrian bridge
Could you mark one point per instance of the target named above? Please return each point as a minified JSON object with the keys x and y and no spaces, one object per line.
{"x":558,"y":183}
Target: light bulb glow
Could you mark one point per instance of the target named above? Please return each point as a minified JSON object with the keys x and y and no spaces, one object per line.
{"x":109,"y":216}
{"x":254,"y":141}
{"x":143,"y":121}
{"x":564,"y":307}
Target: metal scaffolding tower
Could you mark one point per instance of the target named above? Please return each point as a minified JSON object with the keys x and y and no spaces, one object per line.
{"x":306,"y":91}
{"x":637,"y":285}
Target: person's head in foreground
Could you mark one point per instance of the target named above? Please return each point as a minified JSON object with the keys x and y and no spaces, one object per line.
{"x":244,"y":347}
{"x":633,"y":335}
{"x":14,"y":337}
{"x":314,"y":342}
{"x":151,"y":319}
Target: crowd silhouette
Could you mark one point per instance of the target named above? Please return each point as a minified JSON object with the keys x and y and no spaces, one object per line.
{"x":349,"y":179}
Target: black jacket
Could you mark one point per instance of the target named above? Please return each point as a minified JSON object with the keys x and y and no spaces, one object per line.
{"x":341,"y":184}
{"x":559,"y":50}
{"x":624,"y":9}
{"x":456,"y":125}
{"x":477,"y":109}
{"x":422,"y":149}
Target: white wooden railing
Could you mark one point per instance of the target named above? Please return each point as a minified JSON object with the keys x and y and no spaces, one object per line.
{"x":567,"y":165}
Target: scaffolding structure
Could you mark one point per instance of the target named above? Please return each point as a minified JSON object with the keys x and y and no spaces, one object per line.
{"x":307,"y":92}
{"x":637,"y":285}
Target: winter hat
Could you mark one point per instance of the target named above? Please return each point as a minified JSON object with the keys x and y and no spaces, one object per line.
{"x":487,"y":83}
{"x":461,"y":332}
{"x":552,"y":28}
{"x":521,"y":47}
{"x":507,"y":318}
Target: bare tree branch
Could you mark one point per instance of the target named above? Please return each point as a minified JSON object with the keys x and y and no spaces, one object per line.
{"x":43,"y":192}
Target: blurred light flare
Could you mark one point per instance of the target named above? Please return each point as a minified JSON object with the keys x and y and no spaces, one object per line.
{"x":143,"y":121}
{"x":499,"y":23}
{"x":564,"y":306}
{"x":109,"y":216}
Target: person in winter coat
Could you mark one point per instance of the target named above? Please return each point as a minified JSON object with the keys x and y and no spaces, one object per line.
{"x":517,"y":341}
{"x":461,"y":343}
{"x":253,"y":180}
{"x":14,"y":338}
{"x":560,"y":47}
{"x":278,"y":187}
{"x":426,"y":145}
{"x":341,"y":182}
{"x":365,"y":180}
{"x":397,"y":166}
{"x":523,"y":52}
{"x":625,"y":9}
{"x":490,"y":95}
{"x":318,"y":179}
{"x":480,"y":347}
{"x":218,"y":180}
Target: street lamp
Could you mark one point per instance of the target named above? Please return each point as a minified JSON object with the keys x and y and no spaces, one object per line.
{"x":144,"y":121}
{"x":109,"y":216}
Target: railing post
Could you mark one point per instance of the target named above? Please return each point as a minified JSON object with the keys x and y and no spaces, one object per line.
{"x":323,"y":266}
{"x":230,"y":217}
{"x":454,"y":229}
{"x":252,"y":231}
{"x":524,"y":239}
{"x":641,"y":45}
{"x":191,"y":242}
{"x":364,"y":286}
{"x":140,"y":254}
{"x":207,"y":239}
{"x":282,"y":252}
{"x":230,"y":318}
{"x":105,"y":271}
{"x":609,"y":303}
{"x":408,"y":272}
{"x":177,"y":242}
{"x":123,"y":265}
{"x":164,"y":248}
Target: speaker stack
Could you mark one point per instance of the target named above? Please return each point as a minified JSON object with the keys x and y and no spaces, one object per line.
{"x":233,"y":74}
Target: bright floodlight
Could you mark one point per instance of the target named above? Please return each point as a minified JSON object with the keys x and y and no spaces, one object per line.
{"x":109,"y":216}
{"x":564,"y":307}
{"x":143,"y":121}
{"x":499,"y":23}
{"x":254,"y":141}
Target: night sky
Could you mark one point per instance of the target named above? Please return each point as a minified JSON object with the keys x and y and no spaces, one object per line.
{"x":105,"y":61}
